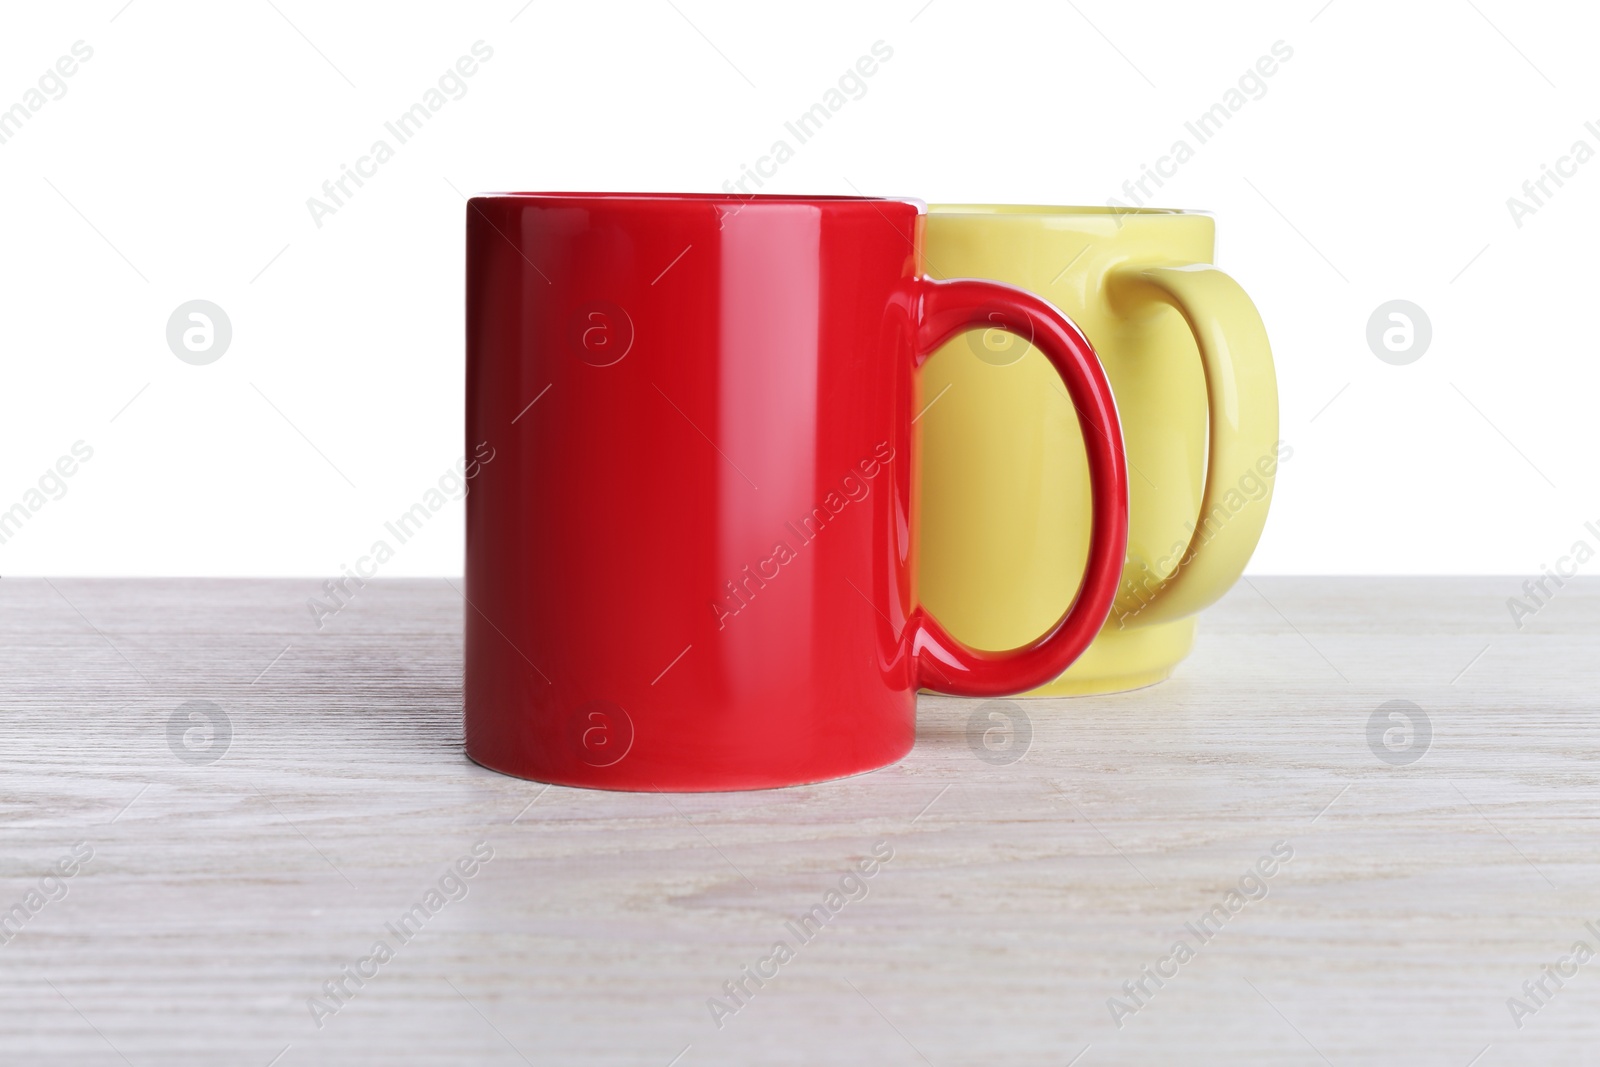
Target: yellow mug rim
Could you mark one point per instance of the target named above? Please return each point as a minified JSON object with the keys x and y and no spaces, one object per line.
{"x":1058,"y":210}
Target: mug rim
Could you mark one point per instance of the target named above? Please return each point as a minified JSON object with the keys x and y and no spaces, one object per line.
{"x":1062,"y":210}
{"x":746,"y":199}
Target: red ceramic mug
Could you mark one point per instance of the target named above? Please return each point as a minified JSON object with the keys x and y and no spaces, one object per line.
{"x":689,"y":566}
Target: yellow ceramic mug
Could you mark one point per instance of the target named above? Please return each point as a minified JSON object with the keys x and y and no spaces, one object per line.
{"x":1004,"y":502}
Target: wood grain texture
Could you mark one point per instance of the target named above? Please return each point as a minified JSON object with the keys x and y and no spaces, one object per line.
{"x":1020,"y":896}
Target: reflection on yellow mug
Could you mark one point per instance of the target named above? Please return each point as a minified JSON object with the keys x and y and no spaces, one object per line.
{"x":1003,"y":522}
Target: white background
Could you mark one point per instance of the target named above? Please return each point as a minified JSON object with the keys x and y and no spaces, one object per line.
{"x":178,"y":164}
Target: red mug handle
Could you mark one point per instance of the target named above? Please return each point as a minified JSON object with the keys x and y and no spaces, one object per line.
{"x":943,"y":309}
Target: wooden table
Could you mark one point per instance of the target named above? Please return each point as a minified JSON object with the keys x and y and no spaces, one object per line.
{"x":226,"y":876}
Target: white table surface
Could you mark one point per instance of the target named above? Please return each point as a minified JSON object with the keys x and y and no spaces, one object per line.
{"x":221,"y":896}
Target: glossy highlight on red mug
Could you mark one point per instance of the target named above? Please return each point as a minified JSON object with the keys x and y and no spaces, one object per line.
{"x":681,"y":575}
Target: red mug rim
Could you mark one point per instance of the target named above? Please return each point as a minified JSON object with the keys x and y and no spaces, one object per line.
{"x":707,"y":198}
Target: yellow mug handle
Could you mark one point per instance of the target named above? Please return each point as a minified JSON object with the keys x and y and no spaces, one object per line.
{"x":1242,"y":404}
